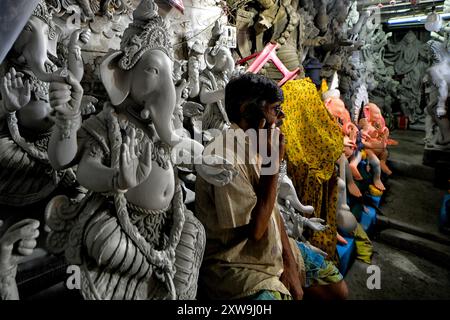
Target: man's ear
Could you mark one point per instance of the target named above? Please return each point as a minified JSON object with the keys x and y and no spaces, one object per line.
{"x":117,"y":82}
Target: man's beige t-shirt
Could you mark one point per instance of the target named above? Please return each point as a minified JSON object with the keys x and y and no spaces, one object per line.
{"x":235,"y":266}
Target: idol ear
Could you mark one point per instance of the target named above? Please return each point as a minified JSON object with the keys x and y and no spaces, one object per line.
{"x":366,"y":112}
{"x":210,"y":58}
{"x":117,"y":82}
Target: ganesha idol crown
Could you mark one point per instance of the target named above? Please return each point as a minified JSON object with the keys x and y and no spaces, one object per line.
{"x":333,"y":91}
{"x":43,"y":12}
{"x":147,"y":32}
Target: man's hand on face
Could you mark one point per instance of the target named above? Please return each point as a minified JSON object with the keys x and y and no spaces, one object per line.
{"x":275,"y":141}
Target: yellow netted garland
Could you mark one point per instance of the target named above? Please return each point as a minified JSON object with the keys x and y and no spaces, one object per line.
{"x":312,"y":134}
{"x":314,"y":143}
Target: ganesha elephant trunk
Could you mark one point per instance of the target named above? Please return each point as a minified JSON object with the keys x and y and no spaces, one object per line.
{"x":185,"y":150}
{"x":38,"y":64}
{"x":287,"y":192}
{"x":160,"y":110}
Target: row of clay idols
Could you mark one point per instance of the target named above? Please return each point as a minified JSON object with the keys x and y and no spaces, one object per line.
{"x":26,"y":114}
{"x":370,"y":136}
{"x":122,"y":156}
{"x":116,"y":165}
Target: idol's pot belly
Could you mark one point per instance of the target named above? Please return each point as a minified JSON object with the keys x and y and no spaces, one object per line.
{"x":35,"y":116}
{"x":156,"y":192}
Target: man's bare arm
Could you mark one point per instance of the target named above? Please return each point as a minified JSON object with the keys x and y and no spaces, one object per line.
{"x":266,"y":194}
{"x":267,"y":189}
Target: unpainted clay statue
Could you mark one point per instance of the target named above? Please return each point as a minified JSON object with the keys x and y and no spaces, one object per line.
{"x":25,"y":115}
{"x":291,"y":209}
{"x":437,"y":123}
{"x":132,"y":236}
{"x":16,"y":243}
{"x":440,"y":75}
{"x":357,"y":27}
{"x":285,"y":31}
{"x":352,"y":17}
{"x":220,"y":67}
{"x":332,"y":63}
{"x":410,"y":59}
{"x":375,"y":137}
{"x":345,"y":219}
{"x":339,"y":11}
{"x":372,"y":54}
{"x":244,"y":20}
{"x":361,"y":67}
{"x":437,"y":129}
{"x":91,"y":7}
{"x":308,"y":34}
{"x":431,"y":96}
{"x":331,"y":20}
{"x":190,"y":110}
{"x":264,"y":22}
{"x":194,"y":62}
{"x":322,"y":19}
{"x":295,"y":224}
{"x":286,"y":191}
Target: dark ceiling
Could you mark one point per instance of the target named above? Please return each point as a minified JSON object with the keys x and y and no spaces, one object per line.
{"x":390,"y":9}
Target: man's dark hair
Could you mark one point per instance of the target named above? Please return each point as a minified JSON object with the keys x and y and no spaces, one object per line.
{"x":251,"y":89}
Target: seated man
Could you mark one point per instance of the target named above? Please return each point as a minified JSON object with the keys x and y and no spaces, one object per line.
{"x":248,"y":253}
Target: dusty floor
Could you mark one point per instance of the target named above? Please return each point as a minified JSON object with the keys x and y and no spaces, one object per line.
{"x":413,"y":201}
{"x":403,"y":276}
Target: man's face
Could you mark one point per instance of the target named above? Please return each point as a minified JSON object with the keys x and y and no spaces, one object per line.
{"x":270,"y":112}
{"x":273,"y":114}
